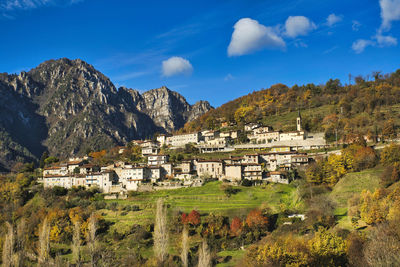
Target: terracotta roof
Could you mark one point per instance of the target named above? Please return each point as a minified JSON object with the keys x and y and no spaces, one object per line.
{"x":88,"y":166}
{"x":75,"y":162}
{"x":56,"y":176}
{"x":210,"y":160}
{"x":53,"y":168}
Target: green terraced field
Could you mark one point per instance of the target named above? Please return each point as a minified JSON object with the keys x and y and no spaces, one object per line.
{"x":206,"y":199}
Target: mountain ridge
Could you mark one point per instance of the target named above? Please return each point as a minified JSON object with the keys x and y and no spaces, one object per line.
{"x":68,"y":107}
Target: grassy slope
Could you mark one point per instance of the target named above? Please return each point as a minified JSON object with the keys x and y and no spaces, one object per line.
{"x":349,"y":185}
{"x":205,"y":199}
{"x":209,"y":198}
{"x":286,"y":121}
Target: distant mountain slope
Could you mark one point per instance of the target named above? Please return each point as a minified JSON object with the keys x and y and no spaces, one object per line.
{"x":68,"y":107}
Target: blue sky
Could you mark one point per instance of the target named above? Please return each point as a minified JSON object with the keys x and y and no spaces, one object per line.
{"x":211,"y":50}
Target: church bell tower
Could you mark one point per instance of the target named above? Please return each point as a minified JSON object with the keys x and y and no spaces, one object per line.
{"x":298,"y":122}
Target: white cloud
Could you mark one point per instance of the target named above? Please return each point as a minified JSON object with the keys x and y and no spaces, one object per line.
{"x":359,"y":45}
{"x":13,"y":5}
{"x":249,"y":36}
{"x":176,"y":65}
{"x":390,"y":11}
{"x":332,"y":19}
{"x":384,"y":41}
{"x":378,"y":40}
{"x":355,"y":25}
{"x":298,"y":25}
{"x":229,"y":77}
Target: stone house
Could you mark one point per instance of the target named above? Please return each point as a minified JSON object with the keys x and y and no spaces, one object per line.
{"x":210,"y":168}
{"x":183,"y":139}
{"x":252,"y":172}
{"x":234,"y":172}
{"x":157,"y":160}
{"x":251,"y":158}
{"x":277,"y":177}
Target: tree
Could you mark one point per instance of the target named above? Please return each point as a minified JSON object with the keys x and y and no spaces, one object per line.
{"x":204,"y":255}
{"x":44,"y":156}
{"x":161,"y":232}
{"x":242,"y":112}
{"x":388,"y":131}
{"x":91,"y":238}
{"x":50,"y":160}
{"x":390,"y":175}
{"x":327,"y":249}
{"x":332,"y":86}
{"x":236,"y":226}
{"x":194,"y":218}
{"x":44,"y":243}
{"x":20,"y":243}
{"x":8,"y":246}
{"x":255,"y":218}
{"x":185,"y":246}
{"x":314,"y":173}
{"x":390,"y":154}
{"x":76,"y":243}
{"x":383,"y":246}
{"x":364,"y":158}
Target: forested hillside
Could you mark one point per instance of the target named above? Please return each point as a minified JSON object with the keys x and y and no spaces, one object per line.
{"x":368,"y":106}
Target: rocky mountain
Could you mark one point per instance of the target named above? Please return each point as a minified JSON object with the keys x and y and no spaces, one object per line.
{"x":67,"y":107}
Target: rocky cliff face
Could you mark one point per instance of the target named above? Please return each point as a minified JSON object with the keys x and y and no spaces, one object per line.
{"x":68,"y":107}
{"x":169,"y":109}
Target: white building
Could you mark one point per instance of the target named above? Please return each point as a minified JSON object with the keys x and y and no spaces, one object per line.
{"x":155,"y":173}
{"x":167,"y":169}
{"x":156,"y":160}
{"x":210,"y":168}
{"x":252,"y":172}
{"x":277,"y":177}
{"x":209,"y":135}
{"x":183,"y":139}
{"x":231,"y":134}
{"x":262,"y":129}
{"x":289,"y":136}
{"x":50,"y":181}
{"x":162,"y":139}
{"x":150,"y":150}
{"x":251,"y":158}
{"x":264,"y":137}
{"x":102,"y":180}
{"x":219,"y":142}
{"x":251,"y":126}
{"x":233,"y":172}
{"x":56,"y":170}
{"x":72,"y":165}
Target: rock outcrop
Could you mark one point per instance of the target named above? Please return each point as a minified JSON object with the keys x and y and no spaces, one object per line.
{"x":67,"y":107}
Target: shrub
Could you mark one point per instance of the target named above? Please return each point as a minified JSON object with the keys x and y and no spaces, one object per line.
{"x":229,"y":190}
{"x":135,"y":208}
{"x":246,"y":182}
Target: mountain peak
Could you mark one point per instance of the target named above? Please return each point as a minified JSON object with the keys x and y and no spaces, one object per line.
{"x":68,"y":107}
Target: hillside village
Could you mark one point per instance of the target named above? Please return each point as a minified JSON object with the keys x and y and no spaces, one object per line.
{"x":277,"y":164}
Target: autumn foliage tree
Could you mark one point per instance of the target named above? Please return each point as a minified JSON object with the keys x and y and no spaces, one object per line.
{"x":192,"y":218}
{"x":236,"y":226}
{"x":256,"y":219}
